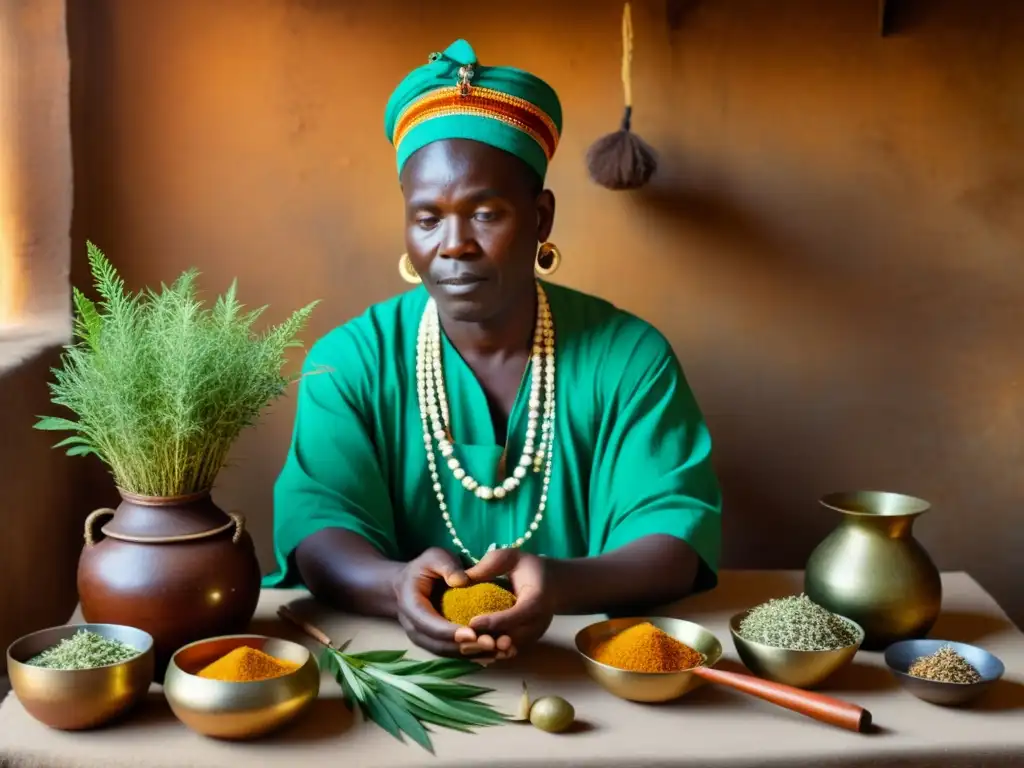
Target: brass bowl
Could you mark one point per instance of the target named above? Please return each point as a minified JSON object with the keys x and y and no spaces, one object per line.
{"x":78,"y":699}
{"x":900,"y":656}
{"x":647,"y":686}
{"x":800,"y":669}
{"x":239,"y":711}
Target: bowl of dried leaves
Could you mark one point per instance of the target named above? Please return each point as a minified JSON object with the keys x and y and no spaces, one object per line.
{"x":794,"y":641}
{"x":80,"y":676}
{"x":941,"y":671}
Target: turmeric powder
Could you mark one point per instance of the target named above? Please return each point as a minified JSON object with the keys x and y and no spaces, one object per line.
{"x":645,"y":648}
{"x":461,"y":604}
{"x":247,"y":665}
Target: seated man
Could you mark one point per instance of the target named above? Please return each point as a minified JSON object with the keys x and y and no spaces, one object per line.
{"x":486,"y":422}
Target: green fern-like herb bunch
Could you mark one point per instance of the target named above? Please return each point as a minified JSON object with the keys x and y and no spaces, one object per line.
{"x":162,"y":386}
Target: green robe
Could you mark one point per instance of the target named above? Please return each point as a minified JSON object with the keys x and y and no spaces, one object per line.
{"x":632,"y":452}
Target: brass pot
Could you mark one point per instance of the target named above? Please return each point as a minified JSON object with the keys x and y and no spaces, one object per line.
{"x":873,"y":571}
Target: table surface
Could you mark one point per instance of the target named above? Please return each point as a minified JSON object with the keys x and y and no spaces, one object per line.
{"x":711,"y":726}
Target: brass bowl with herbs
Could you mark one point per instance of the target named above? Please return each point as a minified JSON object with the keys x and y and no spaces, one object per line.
{"x":81,"y":676}
{"x":239,"y":687}
{"x":792,"y":666}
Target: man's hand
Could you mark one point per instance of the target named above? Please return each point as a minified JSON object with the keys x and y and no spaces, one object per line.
{"x":414,"y":589}
{"x":526,"y":621}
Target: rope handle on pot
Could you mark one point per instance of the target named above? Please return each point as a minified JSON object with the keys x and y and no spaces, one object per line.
{"x":93,"y":516}
{"x":239,"y":520}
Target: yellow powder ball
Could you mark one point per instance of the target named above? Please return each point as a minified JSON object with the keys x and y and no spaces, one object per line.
{"x":461,"y":604}
{"x":246,"y":665}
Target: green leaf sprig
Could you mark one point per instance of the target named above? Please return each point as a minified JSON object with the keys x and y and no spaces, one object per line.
{"x":403,"y":695}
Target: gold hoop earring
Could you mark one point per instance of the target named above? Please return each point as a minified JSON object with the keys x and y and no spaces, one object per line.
{"x":548,"y":259}
{"x":405,"y":269}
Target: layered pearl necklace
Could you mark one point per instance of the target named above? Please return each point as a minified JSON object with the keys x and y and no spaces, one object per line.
{"x":435,"y":418}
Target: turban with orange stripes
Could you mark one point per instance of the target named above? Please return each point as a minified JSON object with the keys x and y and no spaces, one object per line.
{"x":453,"y":96}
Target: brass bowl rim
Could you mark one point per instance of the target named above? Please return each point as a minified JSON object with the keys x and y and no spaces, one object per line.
{"x":641,"y":619}
{"x":901,"y":675}
{"x":174,"y":659}
{"x":920,"y":506}
{"x":734,"y":625}
{"x":148,"y":638}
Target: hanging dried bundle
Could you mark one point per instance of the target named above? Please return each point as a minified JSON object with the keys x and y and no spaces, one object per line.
{"x":622,"y":160}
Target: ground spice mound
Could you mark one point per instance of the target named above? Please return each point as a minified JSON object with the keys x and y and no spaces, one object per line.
{"x":945,"y":666}
{"x":645,"y":648}
{"x":246,"y":665}
{"x":461,"y":604}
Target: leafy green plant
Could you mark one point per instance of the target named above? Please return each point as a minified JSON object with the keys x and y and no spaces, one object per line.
{"x":161,"y":384}
{"x":408,"y":696}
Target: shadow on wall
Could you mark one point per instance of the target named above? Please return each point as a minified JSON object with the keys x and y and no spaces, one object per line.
{"x":892,"y":409}
{"x":47,"y":496}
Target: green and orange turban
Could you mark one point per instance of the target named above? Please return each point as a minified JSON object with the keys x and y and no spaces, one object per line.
{"x":453,"y":97}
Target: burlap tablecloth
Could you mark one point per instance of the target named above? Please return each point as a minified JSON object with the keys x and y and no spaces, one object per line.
{"x":710,"y":727}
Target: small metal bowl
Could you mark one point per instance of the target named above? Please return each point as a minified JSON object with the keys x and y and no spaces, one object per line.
{"x":900,"y":656}
{"x":78,"y":699}
{"x":239,"y":711}
{"x":801,"y":669}
{"x":647,"y":686}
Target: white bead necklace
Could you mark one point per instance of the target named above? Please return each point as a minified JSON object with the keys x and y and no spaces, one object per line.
{"x":434,"y":416}
{"x":543,"y":349}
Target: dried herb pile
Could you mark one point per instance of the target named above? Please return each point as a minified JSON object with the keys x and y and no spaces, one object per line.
{"x":945,"y":666}
{"x":797,"y":623}
{"x":84,"y":650}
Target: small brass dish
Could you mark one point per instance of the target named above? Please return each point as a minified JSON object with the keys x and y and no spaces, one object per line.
{"x":79,"y":699}
{"x":238,"y":711}
{"x":801,"y":669}
{"x":900,"y":656}
{"x":647,"y":686}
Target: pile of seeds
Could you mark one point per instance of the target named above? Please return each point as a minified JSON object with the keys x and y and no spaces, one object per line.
{"x":796,"y":623}
{"x":945,"y":666}
{"x":84,"y":650}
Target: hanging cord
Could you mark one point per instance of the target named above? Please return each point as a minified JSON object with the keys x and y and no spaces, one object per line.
{"x":627,"y":64}
{"x":622,"y":160}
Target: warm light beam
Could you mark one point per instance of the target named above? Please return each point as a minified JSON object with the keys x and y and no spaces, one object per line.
{"x":12,"y":289}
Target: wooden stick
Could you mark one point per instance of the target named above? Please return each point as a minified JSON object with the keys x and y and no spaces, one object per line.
{"x":824,"y":708}
{"x":286,"y":613}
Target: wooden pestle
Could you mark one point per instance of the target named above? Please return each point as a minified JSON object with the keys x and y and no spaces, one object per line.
{"x":824,"y":708}
{"x":288,"y":615}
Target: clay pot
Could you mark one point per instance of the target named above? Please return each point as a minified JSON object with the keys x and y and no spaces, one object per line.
{"x":179,"y":568}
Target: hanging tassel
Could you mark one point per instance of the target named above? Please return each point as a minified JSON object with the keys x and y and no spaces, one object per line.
{"x":622,"y":160}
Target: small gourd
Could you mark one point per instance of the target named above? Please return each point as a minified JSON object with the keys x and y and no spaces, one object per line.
{"x":552,"y":714}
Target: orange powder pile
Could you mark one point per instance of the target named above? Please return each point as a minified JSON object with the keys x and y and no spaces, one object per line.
{"x":645,"y":648}
{"x":247,"y":665}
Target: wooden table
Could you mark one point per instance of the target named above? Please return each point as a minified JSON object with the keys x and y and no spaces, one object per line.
{"x":710,"y":727}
